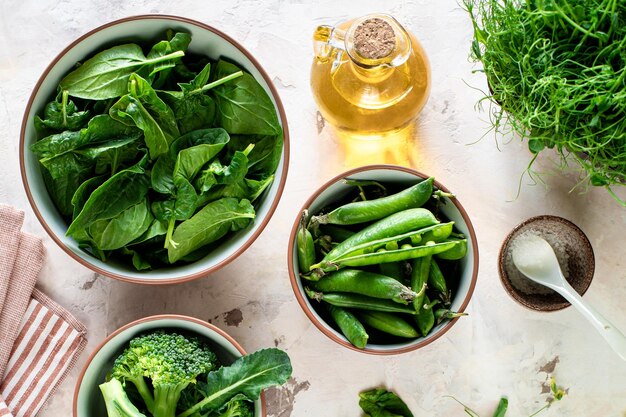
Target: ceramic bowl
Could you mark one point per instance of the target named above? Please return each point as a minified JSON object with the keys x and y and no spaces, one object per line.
{"x":573,"y":250}
{"x":88,"y":400}
{"x":206,"y":40}
{"x":333,"y":191}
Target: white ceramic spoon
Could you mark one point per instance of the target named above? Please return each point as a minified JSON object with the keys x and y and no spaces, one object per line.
{"x":535,"y":258}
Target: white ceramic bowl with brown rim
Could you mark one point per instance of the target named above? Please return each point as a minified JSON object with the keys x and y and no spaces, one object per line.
{"x":333,"y":191}
{"x":206,"y":40}
{"x":88,"y":401}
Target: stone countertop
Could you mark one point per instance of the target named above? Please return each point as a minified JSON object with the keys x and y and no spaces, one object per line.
{"x":500,"y":349}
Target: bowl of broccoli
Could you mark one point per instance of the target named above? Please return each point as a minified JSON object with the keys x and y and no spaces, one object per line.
{"x":176,"y":366}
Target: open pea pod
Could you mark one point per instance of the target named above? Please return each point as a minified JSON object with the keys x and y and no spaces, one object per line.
{"x":382,"y":256}
{"x":434,"y":233}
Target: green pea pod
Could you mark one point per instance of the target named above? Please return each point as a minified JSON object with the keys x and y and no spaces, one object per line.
{"x":396,"y":224}
{"x":365,"y":283}
{"x":435,"y":233}
{"x":456,"y":253}
{"x":425,"y":317}
{"x":442,"y":314}
{"x":382,"y":256}
{"x":338,"y":234}
{"x":360,"y":301}
{"x":502,"y":407}
{"x":388,"y":323}
{"x":306,"y":248}
{"x":367,"y":211}
{"x":349,"y":325}
{"x":419,"y":279}
{"x":437,"y":282}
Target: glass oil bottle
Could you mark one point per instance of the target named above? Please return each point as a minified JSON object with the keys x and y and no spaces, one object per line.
{"x":370,"y":77}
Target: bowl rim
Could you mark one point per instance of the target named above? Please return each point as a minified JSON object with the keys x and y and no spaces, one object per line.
{"x":323,"y":327}
{"x":148,"y":319}
{"x":184,"y":278}
{"x":506,"y":283}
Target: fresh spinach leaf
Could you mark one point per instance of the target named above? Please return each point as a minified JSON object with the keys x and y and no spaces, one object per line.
{"x":63,"y":175}
{"x":62,"y":115}
{"x":263,"y":160}
{"x":106,"y":74}
{"x":121,"y":191}
{"x":207,"y":144}
{"x":382,"y":403}
{"x":191,"y":112}
{"x":211,"y":223}
{"x":243,"y":105}
{"x":245,"y":378}
{"x":144,"y":109}
{"x":178,"y":42}
{"x":115,"y":233}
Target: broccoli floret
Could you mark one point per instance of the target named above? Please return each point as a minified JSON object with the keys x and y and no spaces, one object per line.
{"x":117,"y":402}
{"x":170,"y":361}
{"x":238,"y":408}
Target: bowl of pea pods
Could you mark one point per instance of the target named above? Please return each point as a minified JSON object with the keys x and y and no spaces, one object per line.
{"x":383,"y":259}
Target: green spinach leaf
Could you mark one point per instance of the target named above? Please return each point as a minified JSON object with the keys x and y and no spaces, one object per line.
{"x":106,"y":74}
{"x":178,"y":42}
{"x":121,"y":191}
{"x":61,"y":116}
{"x":243,"y":105}
{"x":263,"y":160}
{"x":115,"y":233}
{"x":245,"y":378}
{"x":144,"y":109}
{"x":382,"y":403}
{"x":211,"y":223}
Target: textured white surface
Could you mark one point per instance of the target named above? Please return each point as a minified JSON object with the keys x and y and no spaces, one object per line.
{"x":500,"y":348}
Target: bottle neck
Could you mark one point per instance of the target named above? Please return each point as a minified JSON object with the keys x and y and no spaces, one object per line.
{"x":372,"y":42}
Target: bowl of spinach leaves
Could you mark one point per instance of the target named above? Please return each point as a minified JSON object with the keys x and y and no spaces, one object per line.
{"x":154,"y":149}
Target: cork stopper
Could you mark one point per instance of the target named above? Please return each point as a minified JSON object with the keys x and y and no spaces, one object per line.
{"x":374,"y":39}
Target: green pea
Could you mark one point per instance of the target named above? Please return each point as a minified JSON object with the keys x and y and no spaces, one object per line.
{"x":306,"y":248}
{"x":392,"y":269}
{"x":367,"y":211}
{"x":425,"y":317}
{"x":376,"y":258}
{"x":419,"y":279}
{"x":388,"y":323}
{"x":457,"y":252}
{"x":349,"y":325}
{"x":437,"y":282}
{"x":395,"y":224}
{"x":365,"y":283}
{"x":359,"y":301}
{"x":337,"y":234}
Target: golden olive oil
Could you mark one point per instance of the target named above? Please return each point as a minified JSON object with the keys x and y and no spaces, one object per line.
{"x":370,"y":77}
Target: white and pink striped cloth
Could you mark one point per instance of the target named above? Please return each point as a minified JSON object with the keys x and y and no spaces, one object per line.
{"x":39,"y":340}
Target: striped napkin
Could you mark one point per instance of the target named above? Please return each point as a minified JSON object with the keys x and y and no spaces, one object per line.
{"x":39,"y":340}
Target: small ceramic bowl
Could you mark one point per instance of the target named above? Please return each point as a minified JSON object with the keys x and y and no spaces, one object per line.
{"x":334,"y":190}
{"x":88,"y":400}
{"x":206,"y":40}
{"x":573,"y":251}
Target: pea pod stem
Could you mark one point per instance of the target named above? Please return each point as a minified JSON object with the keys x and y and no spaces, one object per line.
{"x":370,"y":210}
{"x":442,"y":314}
{"x":359,"y":301}
{"x":400,"y":254}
